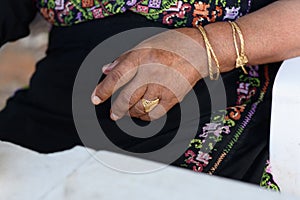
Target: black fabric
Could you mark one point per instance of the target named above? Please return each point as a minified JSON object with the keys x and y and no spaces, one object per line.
{"x":247,"y":159}
{"x":40,"y":117}
{"x":15,"y":16}
{"x":256,"y":4}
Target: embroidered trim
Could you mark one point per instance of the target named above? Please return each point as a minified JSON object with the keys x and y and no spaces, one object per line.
{"x":200,"y":152}
{"x":267,"y":181}
{"x":176,"y":13}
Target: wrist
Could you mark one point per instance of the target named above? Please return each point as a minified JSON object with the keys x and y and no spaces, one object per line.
{"x":220,"y":37}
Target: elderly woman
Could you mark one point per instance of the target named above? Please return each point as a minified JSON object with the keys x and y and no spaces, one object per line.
{"x":230,"y":40}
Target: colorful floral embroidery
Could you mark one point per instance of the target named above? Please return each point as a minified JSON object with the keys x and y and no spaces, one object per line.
{"x":267,"y":179}
{"x":203,"y":148}
{"x":175,"y":13}
{"x":222,"y":123}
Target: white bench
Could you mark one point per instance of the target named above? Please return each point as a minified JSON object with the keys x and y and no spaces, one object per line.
{"x":285,"y":127}
{"x":75,"y":175}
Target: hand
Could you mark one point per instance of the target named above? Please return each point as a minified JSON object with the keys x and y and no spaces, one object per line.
{"x":165,"y":66}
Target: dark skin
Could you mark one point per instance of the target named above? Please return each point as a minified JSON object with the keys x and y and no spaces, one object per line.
{"x":159,"y":69}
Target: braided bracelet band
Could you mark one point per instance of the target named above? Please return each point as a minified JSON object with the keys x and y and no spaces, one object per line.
{"x":241,"y":59}
{"x":210,"y":53}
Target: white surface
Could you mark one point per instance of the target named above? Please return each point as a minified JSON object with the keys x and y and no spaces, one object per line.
{"x":28,"y":175}
{"x":285,"y":132}
{"x":76,"y":175}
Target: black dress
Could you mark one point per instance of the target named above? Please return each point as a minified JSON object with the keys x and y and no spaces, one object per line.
{"x":233,"y":142}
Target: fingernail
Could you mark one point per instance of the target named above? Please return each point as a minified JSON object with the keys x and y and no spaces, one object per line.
{"x":114,"y":117}
{"x":104,"y":68}
{"x":107,"y":68}
{"x":96,"y":100}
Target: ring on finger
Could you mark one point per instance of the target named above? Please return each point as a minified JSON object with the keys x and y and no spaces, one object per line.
{"x":150,"y":104}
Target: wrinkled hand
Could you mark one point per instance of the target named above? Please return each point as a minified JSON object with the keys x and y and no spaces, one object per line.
{"x":165,"y":66}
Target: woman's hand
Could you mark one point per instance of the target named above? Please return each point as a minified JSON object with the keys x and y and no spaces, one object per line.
{"x":164,"y":67}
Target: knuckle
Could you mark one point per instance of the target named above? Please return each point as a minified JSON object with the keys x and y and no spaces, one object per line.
{"x":118,"y":107}
{"x":121,"y":104}
{"x":145,"y":118}
{"x":133,"y":114}
{"x":172,"y":102}
{"x":139,"y":109}
{"x":133,"y":98}
{"x":115,"y":75}
{"x":170,"y":99}
{"x":124,"y":97}
{"x":136,"y":110}
{"x":154,"y":117}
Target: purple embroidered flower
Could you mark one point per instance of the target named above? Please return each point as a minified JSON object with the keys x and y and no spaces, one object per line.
{"x":123,"y":9}
{"x":79,"y":16}
{"x":154,"y":3}
{"x":214,"y":128}
{"x":268,"y":168}
{"x":269,"y":183}
{"x":131,"y":2}
{"x":232,"y":13}
{"x":59,"y":4}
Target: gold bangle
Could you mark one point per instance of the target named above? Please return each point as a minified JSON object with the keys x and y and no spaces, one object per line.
{"x":210,"y":53}
{"x":241,"y":59}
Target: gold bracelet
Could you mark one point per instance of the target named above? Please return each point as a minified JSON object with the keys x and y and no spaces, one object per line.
{"x":210,"y":53}
{"x":241,"y":59}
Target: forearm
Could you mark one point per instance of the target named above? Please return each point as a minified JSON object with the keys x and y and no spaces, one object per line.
{"x":271,"y":34}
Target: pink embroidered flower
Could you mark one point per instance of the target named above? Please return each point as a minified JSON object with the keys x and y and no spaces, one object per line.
{"x":268,"y":168}
{"x":198,"y":168}
{"x":191,"y":155}
{"x":203,"y":157}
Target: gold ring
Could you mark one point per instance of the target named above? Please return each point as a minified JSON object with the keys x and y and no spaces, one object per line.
{"x":149,"y":105}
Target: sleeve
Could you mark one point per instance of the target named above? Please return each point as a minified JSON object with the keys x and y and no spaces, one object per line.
{"x":259,"y":4}
{"x":15,"y":17}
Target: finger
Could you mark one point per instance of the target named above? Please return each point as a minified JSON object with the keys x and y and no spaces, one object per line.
{"x":156,"y":113}
{"x":153,"y":92}
{"x":128,"y":97}
{"x":122,"y":73}
{"x":137,"y":110}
